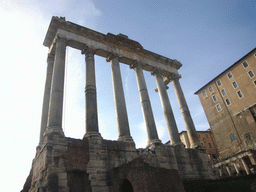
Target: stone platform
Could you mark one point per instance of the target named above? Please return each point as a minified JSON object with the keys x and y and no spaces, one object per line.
{"x":94,"y":164}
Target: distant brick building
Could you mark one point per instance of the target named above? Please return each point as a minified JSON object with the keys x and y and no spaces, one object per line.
{"x":229,"y":102}
{"x":207,"y":140}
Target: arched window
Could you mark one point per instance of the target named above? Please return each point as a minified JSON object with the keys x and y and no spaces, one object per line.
{"x":126,"y":186}
{"x":232,"y":137}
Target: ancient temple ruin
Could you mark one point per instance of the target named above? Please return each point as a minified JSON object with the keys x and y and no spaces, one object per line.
{"x":93,"y":163}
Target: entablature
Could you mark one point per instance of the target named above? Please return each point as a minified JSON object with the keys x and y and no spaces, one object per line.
{"x":128,"y":51}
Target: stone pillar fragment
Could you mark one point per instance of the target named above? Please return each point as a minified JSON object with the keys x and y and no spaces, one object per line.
{"x":120,"y":106}
{"x":168,"y":113}
{"x":57,"y":87}
{"x":91,"y":114}
{"x":246,"y":168}
{"x":252,"y":159}
{"x":237,"y":171}
{"x":146,"y":106}
{"x":228,"y":170}
{"x":220,"y":171}
{"x":191,"y":130}
{"x":46,"y":100}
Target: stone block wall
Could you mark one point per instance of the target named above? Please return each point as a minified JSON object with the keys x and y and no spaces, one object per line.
{"x":93,"y":164}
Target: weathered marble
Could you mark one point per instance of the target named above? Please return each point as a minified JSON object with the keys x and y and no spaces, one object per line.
{"x":120,"y":106}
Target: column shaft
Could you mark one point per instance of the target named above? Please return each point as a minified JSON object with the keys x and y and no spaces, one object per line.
{"x":46,"y":100}
{"x":192,"y":134}
{"x":237,"y":171}
{"x":146,"y":107}
{"x":220,"y":171}
{"x":120,"y":106}
{"x":245,"y":167}
{"x":228,"y":170}
{"x":252,"y":159}
{"x":168,"y":113}
{"x":56,"y":98}
{"x":91,"y":115}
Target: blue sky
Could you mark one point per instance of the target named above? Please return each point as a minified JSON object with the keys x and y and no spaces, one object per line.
{"x":205,"y":36}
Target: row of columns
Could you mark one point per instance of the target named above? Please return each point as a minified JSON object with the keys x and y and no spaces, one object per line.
{"x":246,"y":168}
{"x":53,"y":99}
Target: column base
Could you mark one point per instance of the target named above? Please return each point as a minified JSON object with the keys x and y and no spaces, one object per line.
{"x":178,"y":144}
{"x":153,"y":143}
{"x":93,"y":135}
{"x":126,"y":138}
{"x":54,"y":129}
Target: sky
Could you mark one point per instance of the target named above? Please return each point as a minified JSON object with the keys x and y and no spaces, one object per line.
{"x":205,"y":36}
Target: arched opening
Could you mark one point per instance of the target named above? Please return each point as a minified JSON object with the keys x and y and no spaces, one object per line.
{"x":126,"y":186}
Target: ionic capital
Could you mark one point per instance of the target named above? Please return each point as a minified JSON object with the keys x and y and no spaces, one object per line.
{"x":86,"y":49}
{"x":135,"y":64}
{"x":155,"y":71}
{"x":112,"y":56}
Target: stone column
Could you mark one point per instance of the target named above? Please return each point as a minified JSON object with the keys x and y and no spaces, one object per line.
{"x":46,"y":101}
{"x":146,"y":106}
{"x":252,"y":159}
{"x":192,"y":134}
{"x":220,"y":171}
{"x":91,"y":114}
{"x":56,"y":96}
{"x":120,"y":106}
{"x":237,"y":171}
{"x":168,"y":113}
{"x":245,"y":167}
{"x":228,"y":170}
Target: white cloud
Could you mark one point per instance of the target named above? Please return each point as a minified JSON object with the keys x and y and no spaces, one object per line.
{"x":161,"y":129}
{"x":140,"y":135}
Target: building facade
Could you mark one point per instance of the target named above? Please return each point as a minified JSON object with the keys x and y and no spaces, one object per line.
{"x":207,"y":141}
{"x":229,"y":102}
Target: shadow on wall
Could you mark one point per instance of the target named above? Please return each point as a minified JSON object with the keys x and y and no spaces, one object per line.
{"x":126,"y":186}
{"x":239,"y":184}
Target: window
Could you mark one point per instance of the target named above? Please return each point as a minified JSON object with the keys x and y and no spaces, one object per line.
{"x":245,"y":64}
{"x":232,"y":137}
{"x":204,"y":93}
{"x":251,"y":74}
{"x":210,"y":88}
{"x":254,"y":82}
{"x":210,"y":145}
{"x":218,"y":107}
{"x":239,"y":93}
{"x":219,"y":83}
{"x":214,"y":98}
{"x":199,"y":136}
{"x":230,"y":75}
{"x":248,"y":139}
{"x":227,"y":101}
{"x":223,"y":92}
{"x":234,"y":84}
{"x":206,"y":135}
